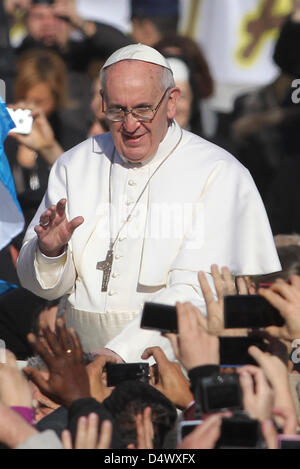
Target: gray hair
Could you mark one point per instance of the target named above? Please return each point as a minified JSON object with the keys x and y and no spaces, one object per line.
{"x":166,"y":81}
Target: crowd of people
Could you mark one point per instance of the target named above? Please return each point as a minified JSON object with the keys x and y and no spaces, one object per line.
{"x":126,"y":202}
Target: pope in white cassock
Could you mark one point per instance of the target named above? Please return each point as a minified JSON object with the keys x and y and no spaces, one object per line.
{"x":134,"y":214}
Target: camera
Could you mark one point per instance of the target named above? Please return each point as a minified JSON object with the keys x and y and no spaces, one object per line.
{"x":240,"y":431}
{"x":250,"y":311}
{"x":288,"y":442}
{"x":159,"y":317}
{"x":234,"y":350}
{"x":119,"y":372}
{"x":186,"y":427}
{"x":219,"y":393}
{"x":22,"y":119}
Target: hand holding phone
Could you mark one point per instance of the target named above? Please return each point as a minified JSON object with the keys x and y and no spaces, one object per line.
{"x":119,"y":372}
{"x":23,"y":120}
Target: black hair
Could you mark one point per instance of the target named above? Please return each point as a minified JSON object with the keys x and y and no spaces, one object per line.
{"x":132,"y":397}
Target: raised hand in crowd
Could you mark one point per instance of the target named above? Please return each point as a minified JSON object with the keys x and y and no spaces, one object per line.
{"x":14,"y":429}
{"x":269,"y":431}
{"x":14,"y":387}
{"x":67,"y":11}
{"x":277,"y":375}
{"x":63,"y":355}
{"x":144,"y":430}
{"x":286,"y":298}
{"x":168,"y":378}
{"x":258,"y":396}
{"x":11,"y":5}
{"x":98,"y":378}
{"x":206,"y":435}
{"x":54,"y":230}
{"x":193,"y":346}
{"x":41,"y":138}
{"x":224,"y":285}
{"x":87,"y":436}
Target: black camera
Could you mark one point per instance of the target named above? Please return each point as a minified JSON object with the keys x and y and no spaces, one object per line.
{"x":250,"y":311}
{"x":234,"y":350}
{"x":159,"y":317}
{"x":219,"y":393}
{"x":240,"y":431}
{"x":119,"y":372}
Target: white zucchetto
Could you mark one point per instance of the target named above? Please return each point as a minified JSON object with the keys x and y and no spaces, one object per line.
{"x":137,"y":52}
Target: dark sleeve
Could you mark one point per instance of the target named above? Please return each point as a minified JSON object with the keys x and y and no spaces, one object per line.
{"x":83,"y":407}
{"x":107,"y":40}
{"x":201,"y":372}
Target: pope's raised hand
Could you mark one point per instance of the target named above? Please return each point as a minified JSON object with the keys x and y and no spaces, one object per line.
{"x":55,"y":231}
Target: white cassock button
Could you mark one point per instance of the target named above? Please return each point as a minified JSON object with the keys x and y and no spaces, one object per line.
{"x":115,"y":275}
{"x":131,"y":183}
{"x":118,"y":256}
{"x":129,"y":202}
{"x":111,"y":293}
{"x":122,"y":238}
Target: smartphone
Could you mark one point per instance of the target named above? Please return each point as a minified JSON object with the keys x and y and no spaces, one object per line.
{"x":234,"y":350}
{"x":239,"y":432}
{"x":219,"y":393}
{"x":288,"y":442}
{"x":22,"y":119}
{"x":159,"y":317}
{"x":186,"y":427}
{"x":246,"y":311}
{"x":119,"y":372}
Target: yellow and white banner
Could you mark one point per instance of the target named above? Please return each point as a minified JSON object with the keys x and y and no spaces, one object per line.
{"x":238,"y":36}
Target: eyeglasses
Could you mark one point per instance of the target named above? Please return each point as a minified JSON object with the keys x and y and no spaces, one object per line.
{"x":143,"y":113}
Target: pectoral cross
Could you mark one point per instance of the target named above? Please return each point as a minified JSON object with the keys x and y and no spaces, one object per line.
{"x":106,"y":266}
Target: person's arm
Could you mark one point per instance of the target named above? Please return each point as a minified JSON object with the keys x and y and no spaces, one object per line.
{"x":50,"y":277}
{"x":44,"y":440}
{"x":41,"y":138}
{"x":14,"y":430}
{"x":14,"y":387}
{"x":62,"y":352}
{"x":104,"y":38}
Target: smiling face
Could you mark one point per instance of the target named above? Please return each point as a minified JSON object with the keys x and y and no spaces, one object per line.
{"x":131,"y":84}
